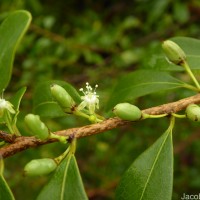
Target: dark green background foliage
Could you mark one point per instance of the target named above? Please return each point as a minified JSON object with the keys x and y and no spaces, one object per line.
{"x":99,"y":42}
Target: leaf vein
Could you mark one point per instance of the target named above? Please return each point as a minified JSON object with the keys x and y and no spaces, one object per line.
{"x":154,"y":163}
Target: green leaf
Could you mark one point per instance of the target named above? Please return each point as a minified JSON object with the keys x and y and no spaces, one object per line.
{"x":43,"y":102}
{"x":190,"y":46}
{"x":16,"y":99}
{"x":158,"y":8}
{"x":151,"y":174}
{"x":66,"y":183}
{"x":180,"y":12}
{"x":11,"y":32}
{"x":140,"y":83}
{"x":5,"y":192}
{"x":159,"y":62}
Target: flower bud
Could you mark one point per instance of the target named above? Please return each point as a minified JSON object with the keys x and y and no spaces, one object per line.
{"x":127,"y":111}
{"x":62,"y":97}
{"x":36,"y":126}
{"x":193,"y":112}
{"x":173,"y":52}
{"x":40,"y":167}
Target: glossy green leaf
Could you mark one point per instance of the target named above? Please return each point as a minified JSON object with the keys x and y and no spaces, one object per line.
{"x":44,"y":104}
{"x":140,"y":83}
{"x":190,"y":46}
{"x":11,"y":32}
{"x":5,"y":192}
{"x":151,"y":174}
{"x":65,"y":184}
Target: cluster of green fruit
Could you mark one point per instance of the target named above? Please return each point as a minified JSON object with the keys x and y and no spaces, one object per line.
{"x":127,"y":111}
{"x":38,"y":129}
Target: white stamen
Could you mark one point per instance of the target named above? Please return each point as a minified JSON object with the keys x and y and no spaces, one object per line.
{"x":90,"y":99}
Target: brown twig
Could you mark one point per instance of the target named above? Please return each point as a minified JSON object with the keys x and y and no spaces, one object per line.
{"x":18,"y":144}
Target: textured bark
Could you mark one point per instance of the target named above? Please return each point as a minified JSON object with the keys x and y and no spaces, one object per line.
{"x":17,"y":144}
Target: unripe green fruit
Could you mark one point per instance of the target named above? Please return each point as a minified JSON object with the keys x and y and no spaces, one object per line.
{"x":173,"y":52}
{"x":62,"y":97}
{"x":127,"y":111}
{"x":36,"y":126}
{"x":40,"y":167}
{"x":193,"y":112}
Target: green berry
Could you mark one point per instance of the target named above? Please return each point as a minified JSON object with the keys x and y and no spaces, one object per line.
{"x":173,"y":52}
{"x":193,"y":112}
{"x":127,"y":111}
{"x":40,"y":167}
{"x":62,"y":97}
{"x":36,"y":126}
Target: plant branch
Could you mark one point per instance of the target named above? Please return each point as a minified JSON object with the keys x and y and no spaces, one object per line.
{"x":20,"y":143}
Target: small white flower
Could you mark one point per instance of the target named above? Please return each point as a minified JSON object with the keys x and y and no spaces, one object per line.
{"x":5,"y":105}
{"x":90,"y":99}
